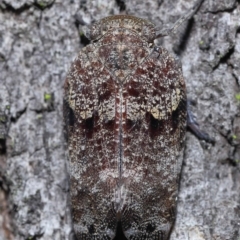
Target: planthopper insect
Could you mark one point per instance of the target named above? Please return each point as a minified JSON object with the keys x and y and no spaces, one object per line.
{"x":125,"y":110}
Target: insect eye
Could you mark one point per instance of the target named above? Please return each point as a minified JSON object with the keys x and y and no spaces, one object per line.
{"x":148,"y":33}
{"x":95,"y":32}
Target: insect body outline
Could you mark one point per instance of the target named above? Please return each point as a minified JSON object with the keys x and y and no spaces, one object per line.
{"x":125,"y":107}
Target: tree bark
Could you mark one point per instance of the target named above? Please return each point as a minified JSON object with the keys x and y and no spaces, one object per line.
{"x":38,"y":41}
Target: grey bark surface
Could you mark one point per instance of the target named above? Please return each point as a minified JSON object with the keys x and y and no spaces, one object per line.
{"x":38,"y":41}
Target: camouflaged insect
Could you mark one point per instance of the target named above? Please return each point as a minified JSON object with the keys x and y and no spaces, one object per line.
{"x":125,"y":107}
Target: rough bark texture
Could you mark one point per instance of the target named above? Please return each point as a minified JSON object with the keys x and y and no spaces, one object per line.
{"x":38,"y":41}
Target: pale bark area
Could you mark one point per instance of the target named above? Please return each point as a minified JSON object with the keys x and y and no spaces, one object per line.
{"x":38,"y":41}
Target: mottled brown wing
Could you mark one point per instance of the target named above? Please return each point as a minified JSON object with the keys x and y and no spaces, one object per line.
{"x":153,"y":143}
{"x":125,"y":142}
{"x":90,"y":93}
